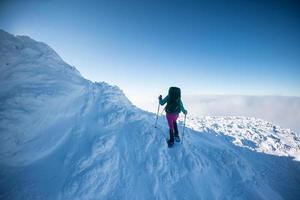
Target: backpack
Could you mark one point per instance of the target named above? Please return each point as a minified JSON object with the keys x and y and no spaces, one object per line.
{"x":173,"y":104}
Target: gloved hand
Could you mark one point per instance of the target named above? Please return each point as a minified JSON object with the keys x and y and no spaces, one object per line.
{"x":185,"y":112}
{"x":159,"y":97}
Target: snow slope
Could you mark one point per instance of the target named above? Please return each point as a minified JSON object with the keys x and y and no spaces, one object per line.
{"x":65,"y":137}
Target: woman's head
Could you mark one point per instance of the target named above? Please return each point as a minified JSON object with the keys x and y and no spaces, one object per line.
{"x":174,"y":93}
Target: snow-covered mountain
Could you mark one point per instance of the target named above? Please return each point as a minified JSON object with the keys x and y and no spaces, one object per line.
{"x":65,"y":137}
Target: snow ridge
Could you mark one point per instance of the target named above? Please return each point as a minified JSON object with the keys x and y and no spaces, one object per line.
{"x":65,"y":137}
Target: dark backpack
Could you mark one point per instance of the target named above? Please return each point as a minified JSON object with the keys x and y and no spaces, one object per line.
{"x":173,"y":104}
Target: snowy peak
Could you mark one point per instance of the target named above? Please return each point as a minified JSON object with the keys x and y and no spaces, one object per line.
{"x":25,"y":46}
{"x":22,"y":49}
{"x":42,"y":98}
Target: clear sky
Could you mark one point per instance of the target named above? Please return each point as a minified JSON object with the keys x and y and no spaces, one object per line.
{"x":204,"y":47}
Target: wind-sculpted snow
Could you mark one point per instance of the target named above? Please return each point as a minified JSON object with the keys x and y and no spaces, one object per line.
{"x":64,"y":137}
{"x":252,"y":133}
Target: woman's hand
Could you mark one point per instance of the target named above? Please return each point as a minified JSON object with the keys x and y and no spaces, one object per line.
{"x":159,"y":97}
{"x":185,"y":112}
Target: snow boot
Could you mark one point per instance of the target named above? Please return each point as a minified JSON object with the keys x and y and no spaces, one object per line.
{"x":176,"y":135}
{"x":170,"y":143}
{"x":177,"y":139}
{"x":171,"y":140}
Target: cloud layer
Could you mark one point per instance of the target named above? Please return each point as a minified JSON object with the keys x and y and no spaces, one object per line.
{"x":280,"y":110}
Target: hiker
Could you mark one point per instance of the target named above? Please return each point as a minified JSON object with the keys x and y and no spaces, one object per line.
{"x":173,"y":108}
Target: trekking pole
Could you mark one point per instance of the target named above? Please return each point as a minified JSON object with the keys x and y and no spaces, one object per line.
{"x":183,"y":128}
{"x":157,"y":115}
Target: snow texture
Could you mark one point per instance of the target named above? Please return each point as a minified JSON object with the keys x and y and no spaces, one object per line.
{"x":65,"y":137}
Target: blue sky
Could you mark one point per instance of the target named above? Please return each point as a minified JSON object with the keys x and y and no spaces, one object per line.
{"x":204,"y":47}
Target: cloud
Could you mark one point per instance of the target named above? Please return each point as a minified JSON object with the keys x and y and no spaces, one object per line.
{"x":280,"y":110}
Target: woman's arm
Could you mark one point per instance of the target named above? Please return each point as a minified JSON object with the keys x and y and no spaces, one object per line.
{"x":182,"y":108}
{"x":162,"y":101}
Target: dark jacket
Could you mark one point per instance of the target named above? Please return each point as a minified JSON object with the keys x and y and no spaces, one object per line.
{"x":165,"y":100}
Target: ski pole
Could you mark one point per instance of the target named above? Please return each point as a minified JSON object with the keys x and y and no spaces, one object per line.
{"x":157,"y":115}
{"x":183,"y":128}
{"x":162,"y":112}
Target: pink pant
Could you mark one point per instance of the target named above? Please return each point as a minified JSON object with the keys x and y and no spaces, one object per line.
{"x":171,"y":117}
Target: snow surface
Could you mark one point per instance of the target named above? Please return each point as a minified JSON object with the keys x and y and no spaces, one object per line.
{"x":65,"y":137}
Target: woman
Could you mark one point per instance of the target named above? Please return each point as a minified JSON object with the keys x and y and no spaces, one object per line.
{"x":173,"y":108}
